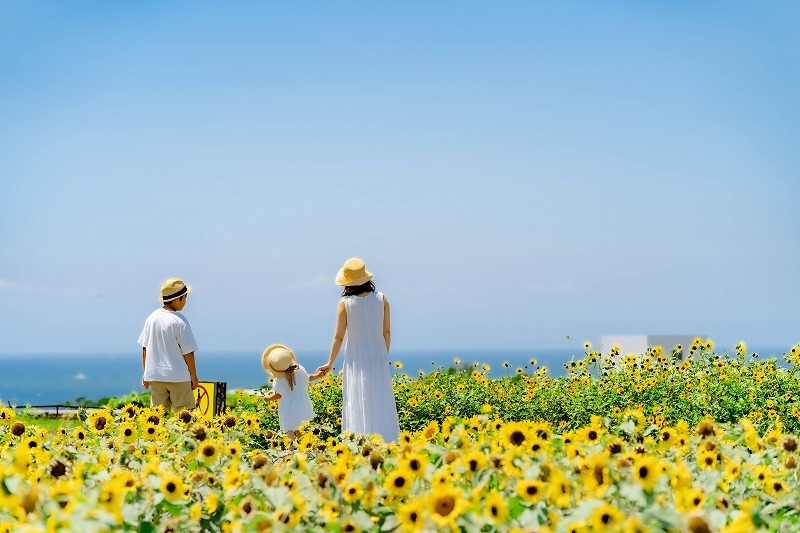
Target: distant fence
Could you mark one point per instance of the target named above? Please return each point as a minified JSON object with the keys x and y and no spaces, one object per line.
{"x":54,"y":408}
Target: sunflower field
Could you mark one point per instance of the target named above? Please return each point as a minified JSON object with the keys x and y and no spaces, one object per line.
{"x":634,"y":443}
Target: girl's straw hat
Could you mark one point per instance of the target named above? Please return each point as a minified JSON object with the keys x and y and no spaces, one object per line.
{"x":277,"y":359}
{"x":353,"y":273}
{"x":173,"y":289}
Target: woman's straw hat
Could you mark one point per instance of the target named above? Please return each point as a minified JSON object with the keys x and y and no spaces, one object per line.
{"x":173,"y":288}
{"x":353,"y":273}
{"x":277,"y":359}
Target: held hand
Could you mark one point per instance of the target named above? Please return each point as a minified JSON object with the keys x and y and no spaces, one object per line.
{"x":324,"y":369}
{"x":145,"y":384}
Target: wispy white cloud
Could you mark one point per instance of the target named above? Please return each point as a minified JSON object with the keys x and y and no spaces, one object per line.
{"x":70,"y":292}
{"x":6,"y":285}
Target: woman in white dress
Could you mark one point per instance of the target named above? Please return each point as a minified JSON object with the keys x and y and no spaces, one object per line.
{"x":368,"y":405}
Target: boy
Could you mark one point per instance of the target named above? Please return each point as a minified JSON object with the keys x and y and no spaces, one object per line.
{"x":168,"y":348}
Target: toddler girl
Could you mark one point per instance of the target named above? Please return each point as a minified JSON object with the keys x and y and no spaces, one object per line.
{"x":290,"y":388}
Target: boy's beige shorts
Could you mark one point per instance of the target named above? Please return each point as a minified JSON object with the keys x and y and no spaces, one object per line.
{"x":178,"y":395}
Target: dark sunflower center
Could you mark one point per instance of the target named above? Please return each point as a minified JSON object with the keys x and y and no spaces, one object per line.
{"x":598,"y":475}
{"x":445,"y":505}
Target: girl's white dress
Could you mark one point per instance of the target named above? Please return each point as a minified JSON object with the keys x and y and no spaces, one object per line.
{"x":294,"y":405}
{"x":368,"y":398}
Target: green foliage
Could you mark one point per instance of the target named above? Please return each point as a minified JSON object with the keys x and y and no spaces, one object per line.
{"x":664,"y":390}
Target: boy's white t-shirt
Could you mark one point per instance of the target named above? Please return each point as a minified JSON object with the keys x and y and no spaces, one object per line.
{"x":167,"y":337}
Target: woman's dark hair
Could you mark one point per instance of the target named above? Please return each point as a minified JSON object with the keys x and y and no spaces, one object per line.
{"x":359,"y":289}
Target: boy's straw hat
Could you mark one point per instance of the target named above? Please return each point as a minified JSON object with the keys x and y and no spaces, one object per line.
{"x":173,"y":289}
{"x":353,"y":273}
{"x":277,"y":359}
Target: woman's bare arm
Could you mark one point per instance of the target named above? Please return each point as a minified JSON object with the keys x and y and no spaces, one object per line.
{"x":338,"y":338}
{"x":387,"y":329}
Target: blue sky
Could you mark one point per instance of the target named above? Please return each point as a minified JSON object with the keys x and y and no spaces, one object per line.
{"x":512,"y":172}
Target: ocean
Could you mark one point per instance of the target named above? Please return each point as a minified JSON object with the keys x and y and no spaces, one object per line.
{"x":56,"y":379}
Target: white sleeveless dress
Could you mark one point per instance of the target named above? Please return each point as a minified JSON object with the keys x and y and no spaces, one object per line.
{"x":368,"y":398}
{"x":294,"y":405}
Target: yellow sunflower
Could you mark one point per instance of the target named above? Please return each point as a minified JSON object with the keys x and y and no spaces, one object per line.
{"x":595,"y":474}
{"x":353,"y":492}
{"x":128,"y":431}
{"x":530,"y":490}
{"x":234,"y":478}
{"x":681,"y":477}
{"x":606,"y":517}
{"x":411,"y":516}
{"x":707,"y":459}
{"x":398,"y":482}
{"x":416,"y":463}
{"x":475,"y":461}
{"x":776,"y":487}
{"x":111,"y":498}
{"x":172,"y":486}
{"x":590,"y":434}
{"x":445,"y":505}
{"x":495,"y":507}
{"x":212,"y":502}
{"x":690,"y":500}
{"x":646,"y":471}
{"x":100,"y":422}
{"x":208,"y":451}
{"x":514,"y":434}
{"x":233,"y":448}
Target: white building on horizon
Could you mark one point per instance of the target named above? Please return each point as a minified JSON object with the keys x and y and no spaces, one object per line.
{"x":638,"y":344}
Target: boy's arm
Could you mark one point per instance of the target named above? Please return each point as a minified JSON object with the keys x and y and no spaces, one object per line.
{"x":145,"y":384}
{"x":189,"y":358}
